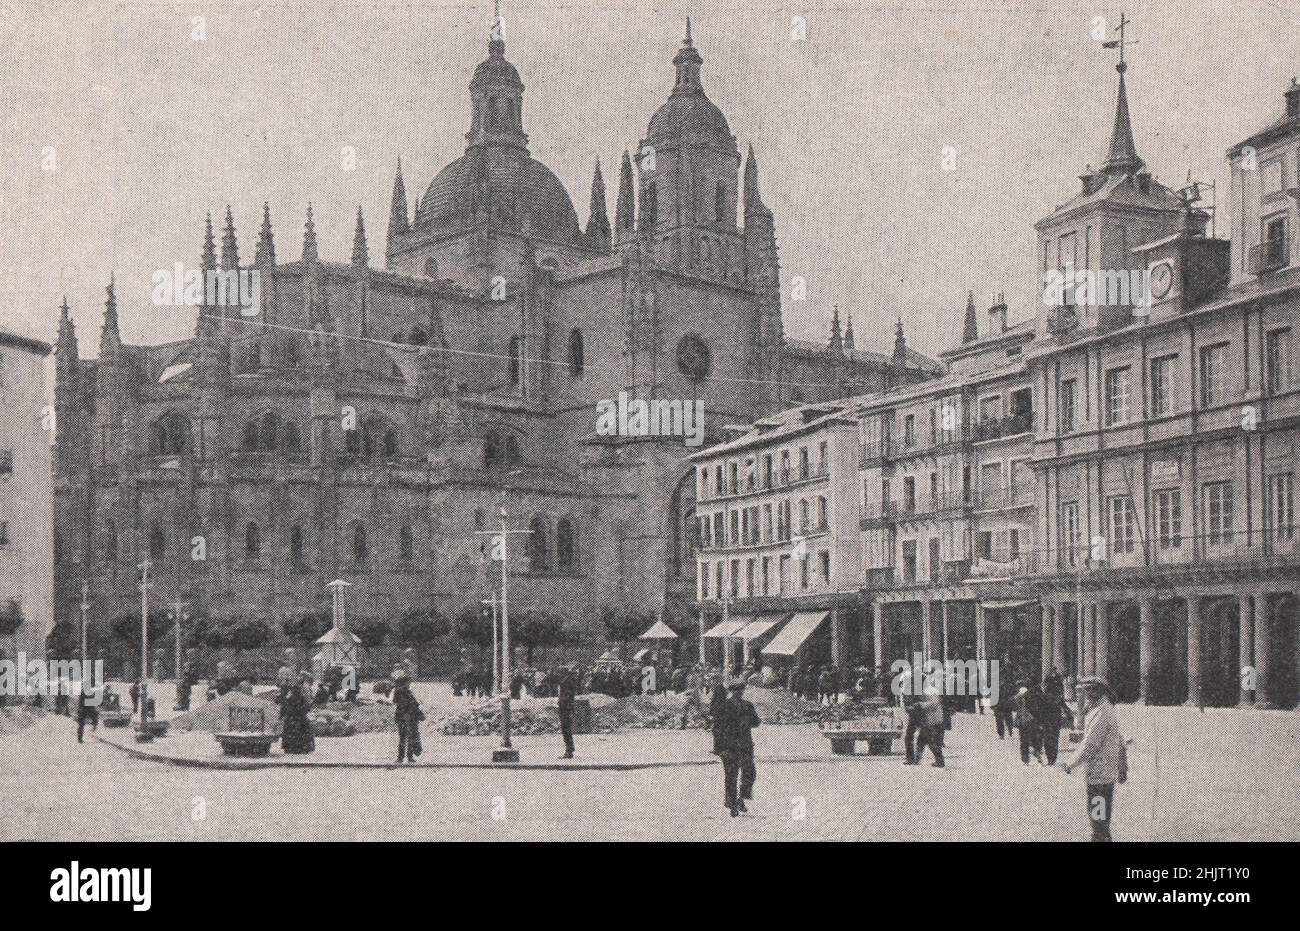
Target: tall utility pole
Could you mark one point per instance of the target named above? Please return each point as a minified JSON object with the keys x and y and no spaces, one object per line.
{"x":142,"y":732}
{"x":177,"y":607}
{"x":500,"y":550}
{"x":496,"y":646}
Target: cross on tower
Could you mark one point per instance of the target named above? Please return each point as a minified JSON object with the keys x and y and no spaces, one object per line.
{"x":1121,"y":42}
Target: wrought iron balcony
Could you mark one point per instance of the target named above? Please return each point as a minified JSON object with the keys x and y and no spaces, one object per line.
{"x":1269,"y":256}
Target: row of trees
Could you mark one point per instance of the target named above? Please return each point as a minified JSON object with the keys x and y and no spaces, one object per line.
{"x":529,"y":628}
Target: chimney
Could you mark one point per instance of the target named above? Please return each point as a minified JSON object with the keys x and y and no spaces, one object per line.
{"x":998,"y":314}
{"x":1293,"y":99}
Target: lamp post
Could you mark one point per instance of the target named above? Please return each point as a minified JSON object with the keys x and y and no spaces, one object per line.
{"x":177,"y":607}
{"x":142,"y":732}
{"x":496,"y":649}
{"x":500,"y":550}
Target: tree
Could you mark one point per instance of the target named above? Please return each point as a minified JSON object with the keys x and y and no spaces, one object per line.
{"x":623,"y":625}
{"x":418,"y":628}
{"x":126,"y":627}
{"x":248,"y":633}
{"x":373,"y":632}
{"x":306,"y":629}
{"x":474,"y":625}
{"x":535,"y":629}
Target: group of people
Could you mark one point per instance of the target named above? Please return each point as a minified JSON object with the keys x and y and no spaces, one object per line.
{"x":1037,"y":713}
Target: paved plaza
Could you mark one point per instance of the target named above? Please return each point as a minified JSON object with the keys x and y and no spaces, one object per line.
{"x":1212,"y":775}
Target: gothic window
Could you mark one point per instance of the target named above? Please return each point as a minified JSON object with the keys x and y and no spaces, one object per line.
{"x":250,"y":437}
{"x":650,"y":207}
{"x":694,"y":360}
{"x":512,"y":451}
{"x":352,"y":442}
{"x":566,"y":545}
{"x":419,"y":337}
{"x":492,"y":451}
{"x":253,"y":541}
{"x":515,"y":360}
{"x":292,"y":441}
{"x":295,"y":545}
{"x":577,"y":360}
{"x":390,"y":444}
{"x":157,"y":544}
{"x":720,"y":202}
{"x":537,"y":544}
{"x":407,"y":543}
{"x":171,"y":435}
{"x":360,"y":546}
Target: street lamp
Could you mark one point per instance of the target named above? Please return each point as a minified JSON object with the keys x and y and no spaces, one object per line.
{"x":506,"y":753}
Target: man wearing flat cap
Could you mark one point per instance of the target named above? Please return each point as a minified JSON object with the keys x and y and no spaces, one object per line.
{"x":735,"y":744}
{"x":1102,"y":752}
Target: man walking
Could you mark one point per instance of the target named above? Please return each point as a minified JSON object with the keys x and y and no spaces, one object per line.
{"x":1049,"y":716}
{"x":1102,"y":752}
{"x":87,"y":710}
{"x":931,"y":723}
{"x":567,"y":692}
{"x":406,"y":711}
{"x":735,"y":744}
{"x":1027,"y":707}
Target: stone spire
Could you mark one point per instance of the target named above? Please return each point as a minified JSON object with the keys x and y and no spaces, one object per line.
{"x":360,"y":252}
{"x":849,"y":343}
{"x":598,"y":232}
{"x":110,"y":338}
{"x":753,"y":199}
{"x":398,"y":214}
{"x":265,"y":254}
{"x":837,"y":340}
{"x":687,"y":61}
{"x":900,"y":344}
{"x":625,"y":209}
{"x":309,"y":253}
{"x":67,"y":341}
{"x":209,"y":260}
{"x":229,"y":244}
{"x":970,"y":330}
{"x":1122,"y":157}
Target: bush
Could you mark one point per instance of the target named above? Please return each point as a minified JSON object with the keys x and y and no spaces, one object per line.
{"x":535,"y":629}
{"x":373,"y":632}
{"x":420,"y":628}
{"x":623,"y":625}
{"x":248,"y":634}
{"x":306,"y":629}
{"x":474,"y":626}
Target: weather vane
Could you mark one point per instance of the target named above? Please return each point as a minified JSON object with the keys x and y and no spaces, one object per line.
{"x":1121,"y":42}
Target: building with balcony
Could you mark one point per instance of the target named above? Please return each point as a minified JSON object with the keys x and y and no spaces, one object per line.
{"x":26,"y":500}
{"x":779,"y":563}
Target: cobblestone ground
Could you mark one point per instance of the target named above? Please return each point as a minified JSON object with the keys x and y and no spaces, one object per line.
{"x":1217,"y":775}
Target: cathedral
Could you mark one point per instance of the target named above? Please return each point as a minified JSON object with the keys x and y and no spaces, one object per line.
{"x":368,"y":424}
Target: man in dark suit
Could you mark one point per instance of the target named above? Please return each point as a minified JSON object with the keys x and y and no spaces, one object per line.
{"x":567,"y":691}
{"x":735,"y":744}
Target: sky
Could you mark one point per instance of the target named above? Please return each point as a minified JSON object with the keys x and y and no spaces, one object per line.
{"x":122,"y":123}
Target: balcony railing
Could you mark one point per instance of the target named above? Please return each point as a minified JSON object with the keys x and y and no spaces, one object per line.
{"x":885,"y":450}
{"x":878,"y":512}
{"x":989,"y":499}
{"x":1269,"y":256}
{"x":996,"y":428}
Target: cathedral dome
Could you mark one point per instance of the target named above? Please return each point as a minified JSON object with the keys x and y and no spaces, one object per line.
{"x":518,"y":192}
{"x":691,"y":115}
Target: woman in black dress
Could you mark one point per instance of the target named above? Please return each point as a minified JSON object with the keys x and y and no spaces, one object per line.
{"x":295,"y":702}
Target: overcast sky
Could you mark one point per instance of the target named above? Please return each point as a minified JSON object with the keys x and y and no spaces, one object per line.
{"x":149,"y":128}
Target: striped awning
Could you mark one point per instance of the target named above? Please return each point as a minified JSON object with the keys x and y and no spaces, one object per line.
{"x":798,"y":629}
{"x":727,"y":628}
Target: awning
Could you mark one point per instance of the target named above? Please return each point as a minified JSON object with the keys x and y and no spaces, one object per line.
{"x":727,"y":628}
{"x":641,"y":654}
{"x":795,"y":632}
{"x":1007,"y":605}
{"x":760,"y":625}
{"x":660,"y":631}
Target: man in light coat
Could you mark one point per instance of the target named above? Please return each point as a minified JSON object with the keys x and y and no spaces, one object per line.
{"x":1102,"y":752}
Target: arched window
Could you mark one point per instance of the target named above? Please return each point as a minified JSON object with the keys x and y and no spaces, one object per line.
{"x":250,"y":437}
{"x":419,"y":337}
{"x":537,"y":544}
{"x":512,"y":451}
{"x":170,"y":435}
{"x":110,"y":542}
{"x":352,"y":442}
{"x":577,"y":352}
{"x":493,"y":113}
{"x":157,"y":544}
{"x":720,"y":202}
{"x":390,"y":444}
{"x":510,"y":113}
{"x":360,"y":546}
{"x":566,"y":545}
{"x":295,"y":545}
{"x":650,"y":207}
{"x":292,"y":441}
{"x":407,"y":543}
{"x":492,"y":451}
{"x":252,"y":541}
{"x":515,"y":359}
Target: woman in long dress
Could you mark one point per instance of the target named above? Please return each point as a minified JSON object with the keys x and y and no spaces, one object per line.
{"x":295,"y":702}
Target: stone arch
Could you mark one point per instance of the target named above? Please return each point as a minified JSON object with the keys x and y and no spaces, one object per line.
{"x":170,"y":435}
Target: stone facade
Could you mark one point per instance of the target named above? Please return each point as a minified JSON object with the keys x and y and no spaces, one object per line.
{"x":364,"y":424}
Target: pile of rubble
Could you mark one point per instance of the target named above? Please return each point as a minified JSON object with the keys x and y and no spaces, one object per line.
{"x":636,"y":712}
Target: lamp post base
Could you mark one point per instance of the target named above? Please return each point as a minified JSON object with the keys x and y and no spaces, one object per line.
{"x":505,"y":755}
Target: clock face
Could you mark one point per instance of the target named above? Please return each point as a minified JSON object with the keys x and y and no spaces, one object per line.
{"x":1162,"y":279}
